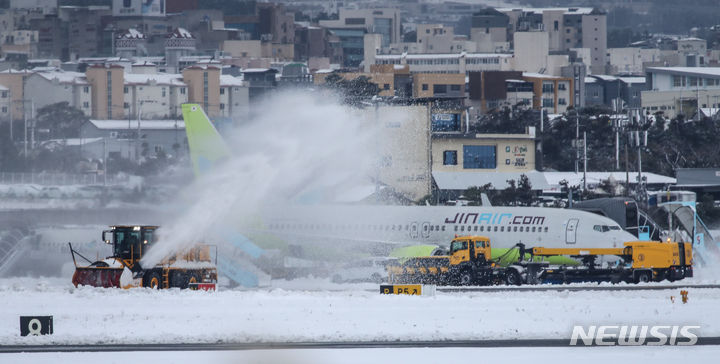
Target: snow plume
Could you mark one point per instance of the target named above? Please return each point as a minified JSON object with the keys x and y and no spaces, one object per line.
{"x":297,"y":146}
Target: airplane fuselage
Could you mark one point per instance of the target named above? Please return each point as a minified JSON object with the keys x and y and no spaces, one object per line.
{"x":505,"y":226}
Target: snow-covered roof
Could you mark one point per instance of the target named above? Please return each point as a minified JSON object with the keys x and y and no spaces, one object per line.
{"x":540,"y":75}
{"x":132,"y":33}
{"x":709,"y":111}
{"x":539,"y":180}
{"x":228,"y":80}
{"x":590,"y":80}
{"x":554,"y":178}
{"x":464,"y":180}
{"x":569,"y":11}
{"x":181,"y":33}
{"x":255,"y":70}
{"x":442,"y":55}
{"x":605,"y":77}
{"x":133,"y":124}
{"x":75,"y":78}
{"x":632,"y":79}
{"x":172,"y":79}
{"x":3,"y":88}
{"x":144,"y":64}
{"x":12,"y":70}
{"x":705,"y":71}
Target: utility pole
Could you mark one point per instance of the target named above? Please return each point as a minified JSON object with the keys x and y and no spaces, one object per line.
{"x":627,"y":167}
{"x":577,"y":139}
{"x":584,"y":161}
{"x":539,"y":157}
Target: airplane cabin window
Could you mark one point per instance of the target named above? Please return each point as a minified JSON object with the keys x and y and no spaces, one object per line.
{"x":437,"y":228}
{"x":456,"y":228}
{"x":515,"y":229}
{"x":462,"y":228}
{"x":546,"y":229}
{"x":443,"y":228}
{"x":475,"y":228}
{"x":502,"y":229}
{"x":481,"y":228}
{"x":495,"y":229}
{"x":533,"y":229}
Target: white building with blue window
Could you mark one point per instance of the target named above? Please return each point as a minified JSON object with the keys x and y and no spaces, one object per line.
{"x":469,"y":152}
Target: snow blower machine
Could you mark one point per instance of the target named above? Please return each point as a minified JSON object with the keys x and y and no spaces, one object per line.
{"x":193,"y":269}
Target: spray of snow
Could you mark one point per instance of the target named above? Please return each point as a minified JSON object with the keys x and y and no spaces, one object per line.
{"x":297,"y":144}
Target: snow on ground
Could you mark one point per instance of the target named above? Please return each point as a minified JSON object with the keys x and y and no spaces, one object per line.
{"x":588,"y":355}
{"x":90,"y":315}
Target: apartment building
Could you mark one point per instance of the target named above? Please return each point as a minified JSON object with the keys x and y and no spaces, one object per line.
{"x":552,"y":94}
{"x":50,"y":86}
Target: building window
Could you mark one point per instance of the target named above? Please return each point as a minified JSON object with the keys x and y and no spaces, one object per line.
{"x":182,"y":90}
{"x":424,"y":86}
{"x":126,"y":105}
{"x":450,"y":157}
{"x":86,"y":105}
{"x":163,"y":92}
{"x":222,"y":106}
{"x":454,"y":87}
{"x":548,"y":87}
{"x":439,"y":89}
{"x":86,"y":89}
{"x":561,"y":86}
{"x":479,"y":157}
{"x":445,"y":122}
{"x":548,"y":103}
{"x":386,"y":86}
{"x":125,"y":89}
{"x":222,"y":91}
{"x":4,"y":109}
{"x":561,"y":101}
{"x":678,"y":81}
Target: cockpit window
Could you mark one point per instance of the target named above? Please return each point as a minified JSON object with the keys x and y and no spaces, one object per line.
{"x":604,"y":228}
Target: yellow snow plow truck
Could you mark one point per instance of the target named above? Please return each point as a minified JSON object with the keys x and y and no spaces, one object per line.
{"x":194,"y":268}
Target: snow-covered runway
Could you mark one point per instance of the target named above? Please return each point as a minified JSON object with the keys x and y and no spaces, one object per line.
{"x":95,"y":316}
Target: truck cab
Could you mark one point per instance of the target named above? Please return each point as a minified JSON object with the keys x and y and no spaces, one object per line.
{"x":129,"y":242}
{"x":475,"y":249}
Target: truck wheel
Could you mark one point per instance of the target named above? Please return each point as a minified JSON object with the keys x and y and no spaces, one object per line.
{"x":465,"y":278}
{"x":152,"y":280}
{"x":642,"y":277}
{"x":512,"y":277}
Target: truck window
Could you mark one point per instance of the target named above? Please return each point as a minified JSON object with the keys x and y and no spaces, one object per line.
{"x":457,"y":245}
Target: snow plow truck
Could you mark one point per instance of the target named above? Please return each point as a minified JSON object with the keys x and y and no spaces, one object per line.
{"x":194,"y":268}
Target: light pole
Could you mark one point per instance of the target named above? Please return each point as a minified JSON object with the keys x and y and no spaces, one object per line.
{"x":137,"y":143}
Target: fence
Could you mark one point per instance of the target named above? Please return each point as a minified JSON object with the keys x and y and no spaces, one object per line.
{"x":60,"y":179}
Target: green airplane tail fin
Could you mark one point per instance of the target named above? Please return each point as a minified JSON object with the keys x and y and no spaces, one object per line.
{"x":207,"y":147}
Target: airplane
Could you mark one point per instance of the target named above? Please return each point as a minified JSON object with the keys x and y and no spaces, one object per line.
{"x":337,"y":226}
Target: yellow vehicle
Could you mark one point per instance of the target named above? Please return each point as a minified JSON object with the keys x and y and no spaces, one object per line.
{"x":468,"y":262}
{"x":641,"y":261}
{"x":193,"y":268}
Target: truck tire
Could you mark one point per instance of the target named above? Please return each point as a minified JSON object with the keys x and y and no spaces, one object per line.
{"x":152,"y":280}
{"x":465,"y":278}
{"x":512,"y":278}
{"x":642,"y":276}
